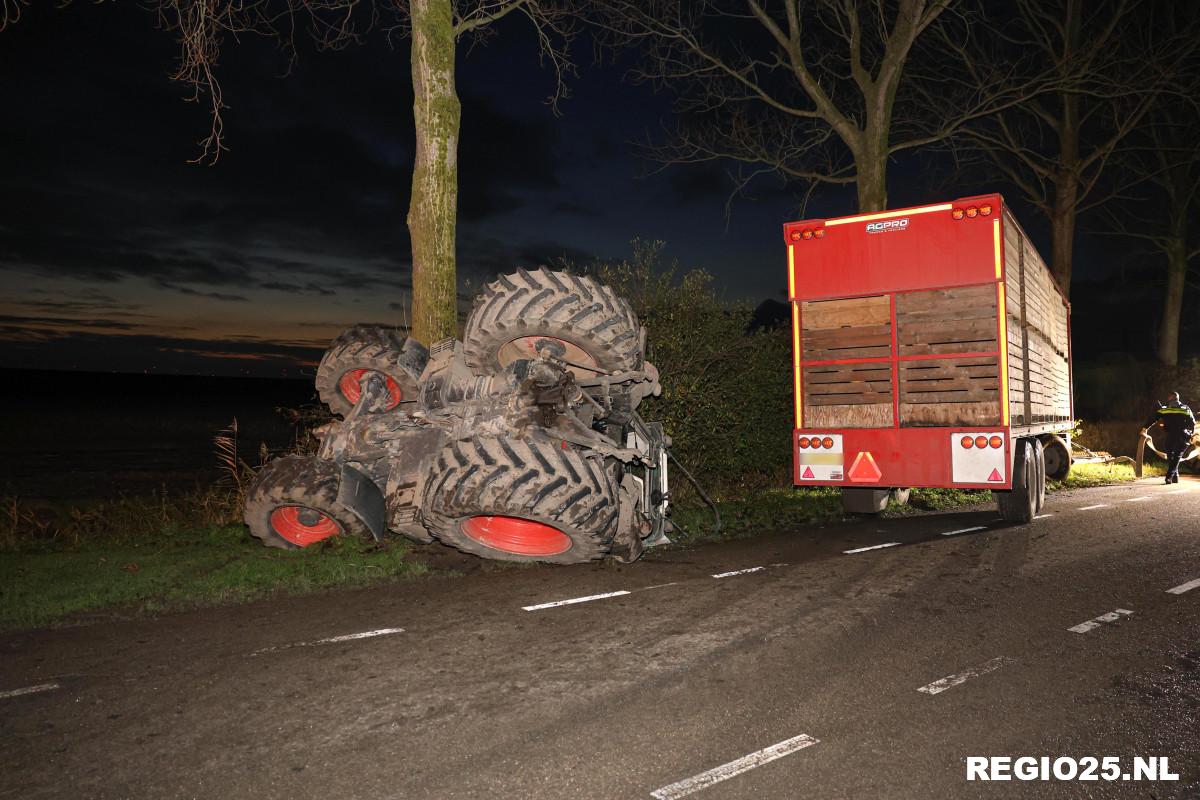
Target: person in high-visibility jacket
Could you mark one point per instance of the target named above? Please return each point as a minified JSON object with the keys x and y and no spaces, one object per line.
{"x":1179,"y":423}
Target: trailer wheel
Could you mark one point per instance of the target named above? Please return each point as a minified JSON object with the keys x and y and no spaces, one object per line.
{"x":1058,"y":458}
{"x":363,"y":349}
{"x":1020,"y":504}
{"x":1039,"y":482}
{"x":292,"y":503}
{"x":530,"y":499}
{"x":583,"y":322}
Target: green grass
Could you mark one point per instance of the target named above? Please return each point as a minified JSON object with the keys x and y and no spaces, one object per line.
{"x":44,"y":582}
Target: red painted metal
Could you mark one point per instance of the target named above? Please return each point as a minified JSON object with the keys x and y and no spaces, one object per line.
{"x":523,"y":537}
{"x":351,"y":388}
{"x":932,"y":250}
{"x":303,"y":526}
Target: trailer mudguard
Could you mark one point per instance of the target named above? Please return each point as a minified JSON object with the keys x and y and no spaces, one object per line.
{"x":362,"y":497}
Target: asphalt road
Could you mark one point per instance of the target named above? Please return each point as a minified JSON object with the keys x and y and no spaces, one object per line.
{"x":809,"y":672}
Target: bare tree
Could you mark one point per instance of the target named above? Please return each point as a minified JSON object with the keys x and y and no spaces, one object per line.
{"x":1107,"y":64}
{"x":1161,"y":209}
{"x":816,"y":92}
{"x":437,"y":28}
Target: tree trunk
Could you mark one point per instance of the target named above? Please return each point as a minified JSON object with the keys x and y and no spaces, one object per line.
{"x":433,"y":208}
{"x":1168,"y":331}
{"x":1062,"y":228}
{"x":870,"y":164}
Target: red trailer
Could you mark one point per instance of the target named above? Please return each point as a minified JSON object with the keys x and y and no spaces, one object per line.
{"x":931,"y":349}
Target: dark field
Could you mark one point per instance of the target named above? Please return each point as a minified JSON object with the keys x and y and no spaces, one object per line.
{"x":80,"y":435}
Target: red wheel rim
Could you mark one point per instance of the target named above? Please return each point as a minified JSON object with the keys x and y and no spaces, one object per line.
{"x":527,"y":347}
{"x":522,"y":537}
{"x":303,"y":526}
{"x":350,"y":387}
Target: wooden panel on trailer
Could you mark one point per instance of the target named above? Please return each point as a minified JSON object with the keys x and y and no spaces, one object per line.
{"x":871,"y":415}
{"x":850,"y":313}
{"x":847,"y":384}
{"x":959,"y":320}
{"x":949,"y":413}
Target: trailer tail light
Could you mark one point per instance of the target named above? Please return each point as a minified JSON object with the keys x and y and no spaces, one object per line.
{"x":819,"y":458}
{"x":958,"y":213}
{"x":978,"y":459}
{"x":971,"y":212}
{"x":806,"y":234}
{"x":985,"y":209}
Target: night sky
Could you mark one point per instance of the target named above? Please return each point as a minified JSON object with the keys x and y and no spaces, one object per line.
{"x":119,"y":255}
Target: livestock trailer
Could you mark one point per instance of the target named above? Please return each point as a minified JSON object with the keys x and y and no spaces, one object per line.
{"x":931,"y":348}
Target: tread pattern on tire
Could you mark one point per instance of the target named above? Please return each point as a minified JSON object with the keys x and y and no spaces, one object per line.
{"x":296,"y":480}
{"x":384,"y":350}
{"x":558,"y":304}
{"x":1019,"y":504}
{"x":533,"y":478}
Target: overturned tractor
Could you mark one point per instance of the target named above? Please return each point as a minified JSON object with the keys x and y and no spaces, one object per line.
{"x":521,"y":442}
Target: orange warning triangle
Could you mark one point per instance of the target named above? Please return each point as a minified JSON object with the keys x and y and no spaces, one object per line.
{"x":995,"y":476}
{"x":864,"y":469}
{"x":808,"y":473}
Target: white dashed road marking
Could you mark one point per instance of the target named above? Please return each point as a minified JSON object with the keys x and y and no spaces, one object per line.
{"x":939,"y":686}
{"x":1184,"y":587}
{"x":872,"y":547}
{"x":964,"y":530}
{"x":736,"y":767}
{"x":1089,"y":508}
{"x":1139,"y":499}
{"x":1043,"y":516}
{"x":738,"y":572}
{"x":574,"y":600}
{"x":1179,"y":491}
{"x":41,"y":687}
{"x":348,"y":637}
{"x":1111,"y":616}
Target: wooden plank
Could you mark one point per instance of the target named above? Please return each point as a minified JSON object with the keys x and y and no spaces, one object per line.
{"x":949,"y":413}
{"x":853,"y":312}
{"x":876,"y":415}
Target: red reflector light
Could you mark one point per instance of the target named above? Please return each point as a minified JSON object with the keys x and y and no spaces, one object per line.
{"x":972,"y":212}
{"x":981,"y":442}
{"x":967,"y":442}
{"x":827,"y":443}
{"x":795,"y":236}
{"x":815,"y":442}
{"x":957,"y":213}
{"x":819,"y":232}
{"x":996,"y":441}
{"x":803,"y":441}
{"x":808,"y":234}
{"x":985,"y":210}
{"x":864,"y":469}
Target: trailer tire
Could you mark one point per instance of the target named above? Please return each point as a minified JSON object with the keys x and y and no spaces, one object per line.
{"x":589,"y":322}
{"x":1020,"y":503}
{"x":1058,"y":458}
{"x":1039,"y":464}
{"x":367,"y":348}
{"x":521,"y":499}
{"x":292,"y":503}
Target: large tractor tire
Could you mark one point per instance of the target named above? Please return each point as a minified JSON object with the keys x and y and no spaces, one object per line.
{"x":363,"y":349}
{"x":1021,"y":505}
{"x":292,"y":503}
{"x":584,"y":323}
{"x":528,"y":499}
{"x":1058,"y":458}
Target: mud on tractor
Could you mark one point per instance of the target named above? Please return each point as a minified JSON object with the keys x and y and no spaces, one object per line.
{"x":521,"y":442}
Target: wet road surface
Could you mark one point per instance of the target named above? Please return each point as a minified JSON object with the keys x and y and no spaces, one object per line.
{"x":864,"y":659}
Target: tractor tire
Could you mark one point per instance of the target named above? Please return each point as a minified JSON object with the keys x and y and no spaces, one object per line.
{"x":366,"y":348}
{"x":1021,"y":503}
{"x":585,"y":323}
{"x":292,"y":503}
{"x":529,"y":499}
{"x":1058,"y":458}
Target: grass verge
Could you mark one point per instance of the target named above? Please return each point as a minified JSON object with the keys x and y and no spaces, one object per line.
{"x":42,"y":583}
